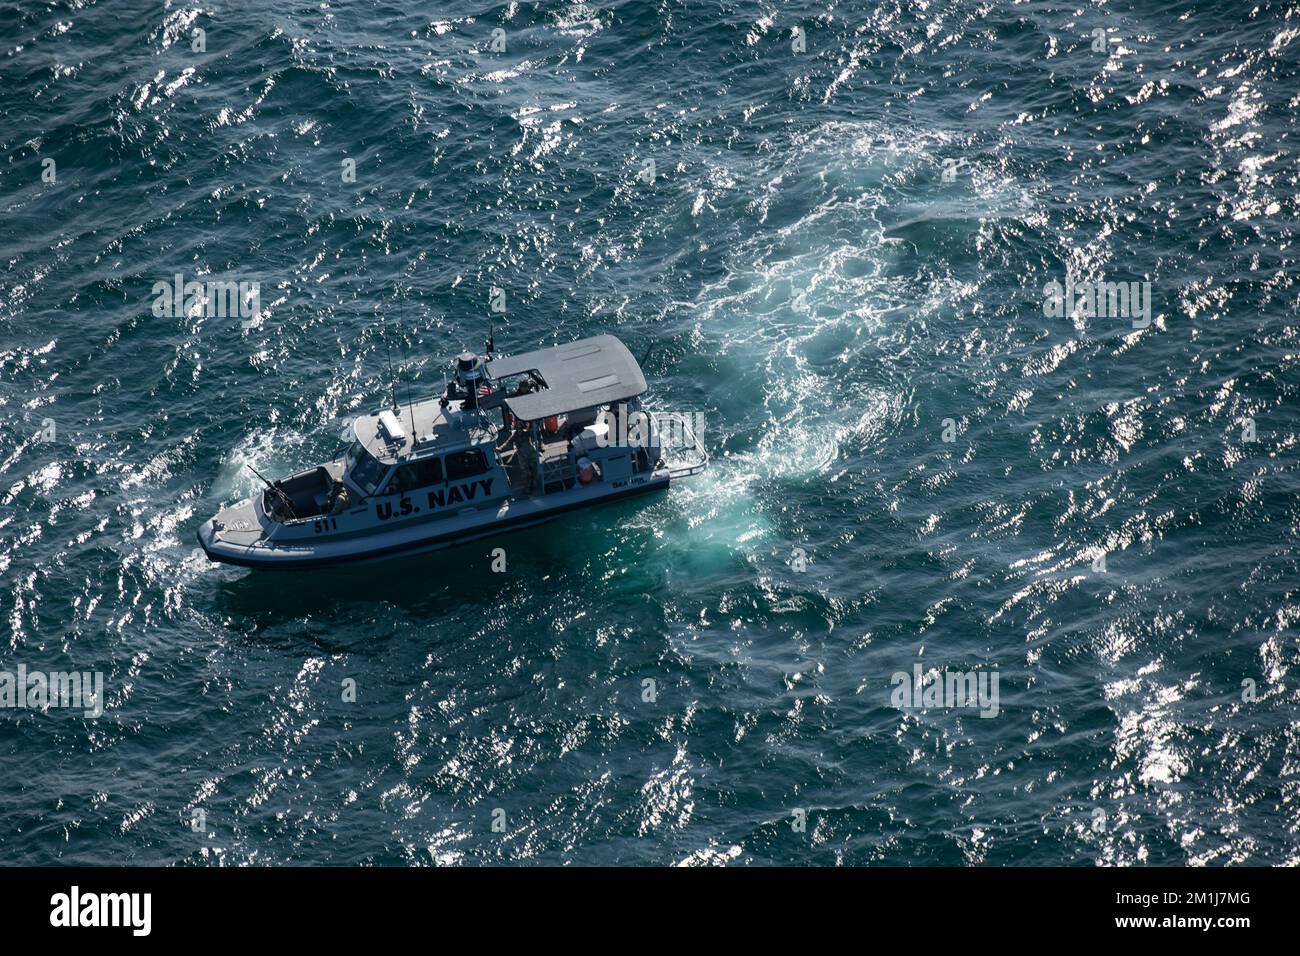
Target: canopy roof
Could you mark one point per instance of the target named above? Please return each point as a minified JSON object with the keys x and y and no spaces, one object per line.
{"x":581,"y":374}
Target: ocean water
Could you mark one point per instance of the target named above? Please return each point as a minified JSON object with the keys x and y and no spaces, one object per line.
{"x":839,"y":257}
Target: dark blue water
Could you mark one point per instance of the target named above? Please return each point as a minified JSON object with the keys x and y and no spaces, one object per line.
{"x":799,"y":269}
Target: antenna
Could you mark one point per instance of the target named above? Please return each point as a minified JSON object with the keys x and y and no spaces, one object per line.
{"x":491,"y":347}
{"x":410,"y":405}
{"x":392,"y":377}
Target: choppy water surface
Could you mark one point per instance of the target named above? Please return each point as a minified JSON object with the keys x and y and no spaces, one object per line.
{"x":799,"y":269}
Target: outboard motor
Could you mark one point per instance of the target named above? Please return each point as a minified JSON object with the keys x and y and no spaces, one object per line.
{"x":470,"y":374}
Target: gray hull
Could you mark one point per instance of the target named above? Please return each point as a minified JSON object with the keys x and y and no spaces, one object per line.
{"x":416,"y":536}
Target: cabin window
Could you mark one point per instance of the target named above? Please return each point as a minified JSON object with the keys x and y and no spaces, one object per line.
{"x":466,"y":464}
{"x":364,"y":469}
{"x":418,"y":474}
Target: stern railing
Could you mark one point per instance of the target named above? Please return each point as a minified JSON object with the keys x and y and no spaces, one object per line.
{"x":690,"y":458}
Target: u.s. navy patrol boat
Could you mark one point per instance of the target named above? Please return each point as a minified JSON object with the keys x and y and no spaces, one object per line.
{"x":511,"y":443}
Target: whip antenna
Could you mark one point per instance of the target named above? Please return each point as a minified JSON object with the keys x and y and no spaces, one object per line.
{"x":392,"y":376}
{"x":410,"y":405}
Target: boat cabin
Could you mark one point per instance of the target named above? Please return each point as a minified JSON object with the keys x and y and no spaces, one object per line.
{"x":561,"y":407}
{"x":520,"y":427}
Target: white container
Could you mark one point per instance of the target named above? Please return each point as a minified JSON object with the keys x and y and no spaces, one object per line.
{"x":593,"y":436}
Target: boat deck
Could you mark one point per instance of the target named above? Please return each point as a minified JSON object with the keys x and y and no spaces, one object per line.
{"x":522,"y":464}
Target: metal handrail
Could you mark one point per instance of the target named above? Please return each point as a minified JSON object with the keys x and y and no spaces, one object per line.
{"x":698,"y":463}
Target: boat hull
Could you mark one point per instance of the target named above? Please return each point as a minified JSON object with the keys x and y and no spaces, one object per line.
{"x":432,"y":536}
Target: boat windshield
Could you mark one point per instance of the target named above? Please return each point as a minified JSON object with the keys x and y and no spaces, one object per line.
{"x":364,"y":469}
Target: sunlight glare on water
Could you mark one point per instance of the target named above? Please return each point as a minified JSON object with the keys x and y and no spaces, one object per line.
{"x":838,"y":257}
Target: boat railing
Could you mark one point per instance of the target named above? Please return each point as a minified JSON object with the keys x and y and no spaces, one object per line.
{"x":692,"y":458}
{"x":557,"y":471}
